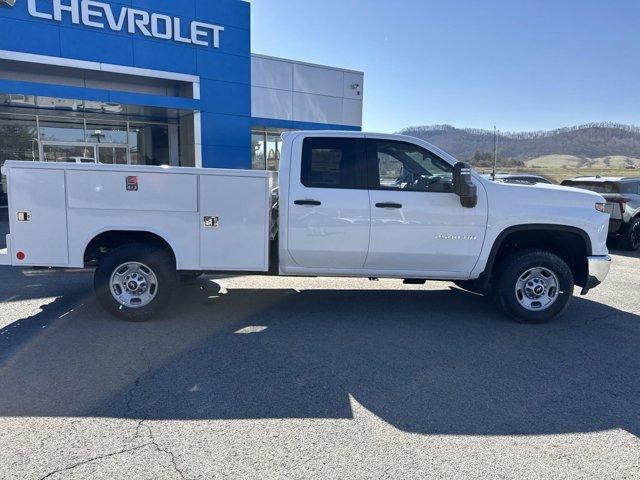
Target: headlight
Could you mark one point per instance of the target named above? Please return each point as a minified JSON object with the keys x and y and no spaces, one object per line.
{"x":601,"y":207}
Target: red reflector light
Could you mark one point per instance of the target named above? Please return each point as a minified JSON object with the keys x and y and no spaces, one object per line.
{"x":20,"y":256}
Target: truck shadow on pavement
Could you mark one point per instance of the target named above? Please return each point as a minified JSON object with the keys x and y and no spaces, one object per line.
{"x":428,"y":362}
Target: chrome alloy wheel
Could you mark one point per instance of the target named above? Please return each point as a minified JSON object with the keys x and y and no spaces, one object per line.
{"x":537,"y":289}
{"x":133,"y":285}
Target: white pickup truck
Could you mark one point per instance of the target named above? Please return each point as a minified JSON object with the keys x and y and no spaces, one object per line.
{"x":345,"y":204}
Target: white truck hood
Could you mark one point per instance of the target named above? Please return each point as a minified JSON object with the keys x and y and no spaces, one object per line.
{"x":548,"y":193}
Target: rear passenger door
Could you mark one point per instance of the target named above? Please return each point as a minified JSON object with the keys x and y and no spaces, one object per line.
{"x":329,"y":209}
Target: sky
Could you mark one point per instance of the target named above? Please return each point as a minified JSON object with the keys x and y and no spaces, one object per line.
{"x":521,"y":65}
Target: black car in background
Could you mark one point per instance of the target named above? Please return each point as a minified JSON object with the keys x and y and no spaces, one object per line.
{"x":623,"y":204}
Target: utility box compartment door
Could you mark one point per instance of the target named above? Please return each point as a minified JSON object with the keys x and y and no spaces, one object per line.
{"x":234,"y":223}
{"x":142,"y":191}
{"x":38,"y":216}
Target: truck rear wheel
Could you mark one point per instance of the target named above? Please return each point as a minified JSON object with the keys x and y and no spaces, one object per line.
{"x":535,"y":286}
{"x":134,"y":282}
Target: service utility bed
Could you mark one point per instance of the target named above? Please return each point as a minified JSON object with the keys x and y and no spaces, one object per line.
{"x":213,"y":219}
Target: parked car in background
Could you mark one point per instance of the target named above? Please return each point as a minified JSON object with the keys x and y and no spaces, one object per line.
{"x":520,"y":178}
{"x":623,"y":204}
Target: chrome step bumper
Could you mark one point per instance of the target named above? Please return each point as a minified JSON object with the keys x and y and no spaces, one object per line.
{"x":598,"y":270}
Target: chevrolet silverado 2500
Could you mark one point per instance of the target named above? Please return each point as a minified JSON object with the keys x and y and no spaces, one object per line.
{"x":344,"y":204}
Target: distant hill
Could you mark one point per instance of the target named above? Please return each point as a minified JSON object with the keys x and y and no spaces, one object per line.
{"x":600,"y":145}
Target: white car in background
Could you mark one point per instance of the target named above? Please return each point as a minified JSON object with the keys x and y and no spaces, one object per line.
{"x":519,"y":178}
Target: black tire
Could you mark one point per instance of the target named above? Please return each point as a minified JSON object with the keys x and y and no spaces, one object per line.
{"x":515,"y":267}
{"x":630,"y":239}
{"x":158,"y":260}
{"x":190,"y":277}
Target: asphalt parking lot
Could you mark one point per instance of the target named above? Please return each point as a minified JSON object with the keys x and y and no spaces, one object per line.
{"x":255,"y":377}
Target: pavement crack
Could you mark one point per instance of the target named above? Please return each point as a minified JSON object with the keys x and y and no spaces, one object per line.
{"x":169,"y":453}
{"x":94,"y":459}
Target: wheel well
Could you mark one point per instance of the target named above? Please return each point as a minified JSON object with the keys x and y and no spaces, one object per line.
{"x":573,"y":246}
{"x":108,"y":241}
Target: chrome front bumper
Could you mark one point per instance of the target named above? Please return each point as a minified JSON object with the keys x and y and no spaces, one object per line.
{"x":598,"y":270}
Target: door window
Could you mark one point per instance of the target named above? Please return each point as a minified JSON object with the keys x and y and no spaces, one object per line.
{"x":112,"y":155}
{"x":406,"y":167}
{"x":69,"y":153}
{"x":334,"y":163}
{"x":62,"y":130}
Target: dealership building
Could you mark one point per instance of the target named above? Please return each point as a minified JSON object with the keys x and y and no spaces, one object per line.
{"x":156,"y":82}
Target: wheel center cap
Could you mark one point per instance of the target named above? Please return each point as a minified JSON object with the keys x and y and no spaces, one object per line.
{"x":539,"y":290}
{"x":132,"y":285}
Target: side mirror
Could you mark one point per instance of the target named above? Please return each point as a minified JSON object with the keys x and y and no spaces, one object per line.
{"x":463,"y":185}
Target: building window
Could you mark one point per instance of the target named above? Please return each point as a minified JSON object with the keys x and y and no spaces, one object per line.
{"x":18,"y":139}
{"x":266,"y":148}
{"x":258,"y":156}
{"x":60,"y":130}
{"x":67,"y":139}
{"x":149,"y":144}
{"x":110,"y":133}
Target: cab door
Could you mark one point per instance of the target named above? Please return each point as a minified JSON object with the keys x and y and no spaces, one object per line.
{"x":328,"y":204}
{"x":417,"y":222}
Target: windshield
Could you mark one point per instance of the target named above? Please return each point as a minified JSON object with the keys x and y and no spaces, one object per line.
{"x":598,"y":187}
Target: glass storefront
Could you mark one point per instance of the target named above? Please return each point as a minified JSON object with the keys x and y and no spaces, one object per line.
{"x":51,"y":139}
{"x":149,"y":144}
{"x":56,"y":139}
{"x":266,"y":148}
{"x":59,"y":130}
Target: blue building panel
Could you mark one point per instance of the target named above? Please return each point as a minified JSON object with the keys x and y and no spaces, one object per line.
{"x":169,"y":57}
{"x":227,"y":12}
{"x":225,"y":97}
{"x":29,"y":37}
{"x":81,"y":44}
{"x":215,"y":156}
{"x":181,"y":8}
{"x":221,"y":66}
{"x":226,"y":130}
{"x":224,"y":73}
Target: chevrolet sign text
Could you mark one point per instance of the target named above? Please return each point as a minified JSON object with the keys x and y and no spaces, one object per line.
{"x":102,"y":15}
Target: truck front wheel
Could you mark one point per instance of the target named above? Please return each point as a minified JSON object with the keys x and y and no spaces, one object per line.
{"x":535,"y":286}
{"x":134,"y":282}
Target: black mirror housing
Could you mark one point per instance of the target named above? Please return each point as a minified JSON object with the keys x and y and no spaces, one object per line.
{"x":463,"y":185}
